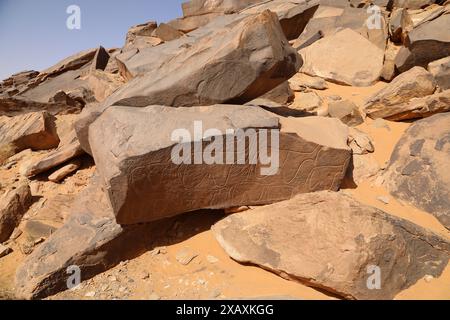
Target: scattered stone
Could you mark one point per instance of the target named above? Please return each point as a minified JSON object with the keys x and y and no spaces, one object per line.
{"x":166,"y":33}
{"x":90,"y":294}
{"x":323,"y":156}
{"x":309,"y":102}
{"x":351,"y":59}
{"x":360,"y":142}
{"x":354,"y":239}
{"x":301,"y":81}
{"x":4,"y":250}
{"x":415,"y":83}
{"x":346,"y":111}
{"x":418,"y":170}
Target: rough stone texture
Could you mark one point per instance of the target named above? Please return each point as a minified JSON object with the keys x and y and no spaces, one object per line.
{"x":389,"y":71}
{"x":416,"y":108}
{"x":101,"y":59}
{"x":440,"y":69}
{"x":13,"y":204}
{"x":135,"y":168}
{"x":418,"y":169}
{"x":35,"y":131}
{"x":351,"y":59}
{"x":63,"y":172}
{"x":141,"y":30}
{"x":415,"y":83}
{"x":311,"y":103}
{"x":252,"y":58}
{"x":282,"y":94}
{"x":346,"y":111}
{"x":13,"y":106}
{"x":329,"y":240}
{"x":301,"y":81}
{"x":293,"y":15}
{"x":166,"y":33}
{"x":426,"y":43}
{"x":66,"y":151}
{"x":399,"y":25}
{"x":90,"y":239}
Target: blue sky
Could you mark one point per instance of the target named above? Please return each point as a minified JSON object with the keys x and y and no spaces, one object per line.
{"x":34,"y":36}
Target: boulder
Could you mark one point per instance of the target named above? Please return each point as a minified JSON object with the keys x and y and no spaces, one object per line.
{"x":399,"y":25}
{"x":346,"y":111}
{"x":440,"y":69}
{"x":418,"y":170}
{"x":90,"y":239}
{"x":351,"y":59}
{"x":415,"y":83}
{"x":35,"y":131}
{"x":63,"y":172}
{"x":166,"y":33}
{"x":260,"y":61}
{"x":13,"y":205}
{"x":310,"y":102}
{"x":331,"y":241}
{"x":100,"y":60}
{"x":68,"y":150}
{"x":202,"y":7}
{"x":141,"y":30}
{"x":193,"y":174}
{"x":428,"y":42}
{"x":192,"y":23}
{"x":293,"y":15}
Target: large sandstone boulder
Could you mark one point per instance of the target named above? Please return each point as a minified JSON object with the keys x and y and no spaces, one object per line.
{"x":330,"y":241}
{"x":90,"y":239}
{"x":202,"y":7}
{"x":146,"y":181}
{"x":13,"y":205}
{"x":418,"y":169}
{"x":35,"y":131}
{"x":415,"y":83}
{"x":428,"y":42}
{"x":351,"y":59}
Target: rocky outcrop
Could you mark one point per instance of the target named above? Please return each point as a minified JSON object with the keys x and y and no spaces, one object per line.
{"x":418,"y":169}
{"x":200,"y":172}
{"x":13,"y":205}
{"x":351,"y":59}
{"x":330,"y":241}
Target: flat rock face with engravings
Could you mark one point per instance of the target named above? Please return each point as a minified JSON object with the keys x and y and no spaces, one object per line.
{"x":145,"y":183}
{"x":330,"y":241}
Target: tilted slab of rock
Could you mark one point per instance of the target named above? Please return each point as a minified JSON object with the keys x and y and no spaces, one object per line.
{"x":415,"y":83}
{"x":144,"y":183}
{"x":418,"y":170}
{"x":426,"y":43}
{"x":330,"y":241}
{"x":440,"y":69}
{"x":68,"y":150}
{"x":202,"y":7}
{"x":90,"y":239}
{"x":13,"y":205}
{"x":237,"y":63}
{"x":351,"y":59}
{"x":416,"y":108}
{"x":35,"y":131}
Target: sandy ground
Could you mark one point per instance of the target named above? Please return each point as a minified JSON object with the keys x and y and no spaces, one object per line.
{"x":211,"y":274}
